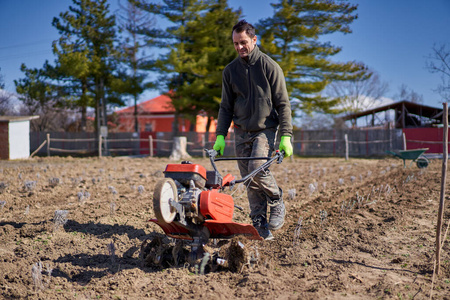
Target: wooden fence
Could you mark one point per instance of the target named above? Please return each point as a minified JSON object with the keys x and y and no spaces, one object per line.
{"x":359,"y":143}
{"x":86,"y":144}
{"x":341,"y":143}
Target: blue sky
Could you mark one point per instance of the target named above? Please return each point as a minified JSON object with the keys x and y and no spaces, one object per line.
{"x":392,"y":37}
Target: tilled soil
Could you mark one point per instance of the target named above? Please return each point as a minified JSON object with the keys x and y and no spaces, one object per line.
{"x":360,"y":229}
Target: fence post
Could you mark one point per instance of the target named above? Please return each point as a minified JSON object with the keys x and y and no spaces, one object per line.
{"x":389,"y":138}
{"x":346,"y":146}
{"x":37,"y":150}
{"x":203,"y":146}
{"x":302,"y":145}
{"x":100,"y":146}
{"x":48,"y":144}
{"x":404,"y":141}
{"x":442,"y":195}
{"x":334,"y":142}
{"x":150,"y":145}
{"x":367,"y":140}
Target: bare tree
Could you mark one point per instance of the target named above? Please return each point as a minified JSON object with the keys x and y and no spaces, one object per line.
{"x":357,"y":95}
{"x":5,"y":108}
{"x":408,"y":94}
{"x":5,"y":99}
{"x":316,"y":121}
{"x":51,"y":118}
{"x":439,"y":62}
{"x":131,"y":19}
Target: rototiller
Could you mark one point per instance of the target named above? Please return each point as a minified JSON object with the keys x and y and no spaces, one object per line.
{"x":189,"y":202}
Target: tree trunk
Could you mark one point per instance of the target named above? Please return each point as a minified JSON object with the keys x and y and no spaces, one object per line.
{"x":179,"y":148}
{"x":84,"y":104}
{"x":136,"y":121}
{"x":208,"y":127}
{"x":83,"y":124}
{"x":175,"y":124}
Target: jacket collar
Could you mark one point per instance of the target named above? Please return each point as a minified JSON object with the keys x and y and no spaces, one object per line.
{"x":252,"y":57}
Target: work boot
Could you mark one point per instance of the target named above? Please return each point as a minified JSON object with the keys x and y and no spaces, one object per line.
{"x":277,"y":214}
{"x":260,"y":224}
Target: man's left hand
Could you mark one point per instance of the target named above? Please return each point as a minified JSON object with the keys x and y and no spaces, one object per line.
{"x":286,"y":146}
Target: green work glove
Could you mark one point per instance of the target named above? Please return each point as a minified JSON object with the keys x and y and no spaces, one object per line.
{"x":286,"y":146}
{"x":219,"y":146}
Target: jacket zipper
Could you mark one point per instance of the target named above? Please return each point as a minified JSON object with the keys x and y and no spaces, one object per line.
{"x":249,"y":92}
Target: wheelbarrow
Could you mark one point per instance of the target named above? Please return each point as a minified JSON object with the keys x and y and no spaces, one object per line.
{"x":415,"y":155}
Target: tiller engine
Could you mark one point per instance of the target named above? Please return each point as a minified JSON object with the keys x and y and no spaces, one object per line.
{"x":189,"y":202}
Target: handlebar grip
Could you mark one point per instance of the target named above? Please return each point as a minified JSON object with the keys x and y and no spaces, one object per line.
{"x":212,"y":153}
{"x":280,"y":156}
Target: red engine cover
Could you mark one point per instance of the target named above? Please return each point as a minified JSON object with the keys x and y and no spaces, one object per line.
{"x":184,"y":173}
{"x":216,"y":206}
{"x":186,"y":168}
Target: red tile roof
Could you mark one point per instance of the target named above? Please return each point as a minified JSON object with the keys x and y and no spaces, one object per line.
{"x":158,"y":105}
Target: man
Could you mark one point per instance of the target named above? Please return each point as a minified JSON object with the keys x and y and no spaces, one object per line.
{"x":255,"y":98}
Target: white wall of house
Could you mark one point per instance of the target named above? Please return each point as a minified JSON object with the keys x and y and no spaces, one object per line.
{"x":19,"y":139}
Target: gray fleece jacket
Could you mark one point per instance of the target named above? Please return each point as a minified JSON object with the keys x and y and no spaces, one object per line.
{"x":254,"y":96}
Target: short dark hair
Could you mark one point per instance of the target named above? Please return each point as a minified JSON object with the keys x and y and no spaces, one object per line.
{"x":243,"y":25}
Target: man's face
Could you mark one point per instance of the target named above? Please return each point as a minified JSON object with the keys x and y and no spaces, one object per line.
{"x":243,"y":43}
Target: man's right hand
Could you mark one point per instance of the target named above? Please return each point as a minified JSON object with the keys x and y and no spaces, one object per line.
{"x":219,"y":146}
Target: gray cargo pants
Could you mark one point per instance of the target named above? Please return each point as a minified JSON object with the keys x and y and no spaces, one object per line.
{"x":263,"y":187}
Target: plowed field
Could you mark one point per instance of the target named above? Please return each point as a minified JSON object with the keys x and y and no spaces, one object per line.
{"x":360,"y":229}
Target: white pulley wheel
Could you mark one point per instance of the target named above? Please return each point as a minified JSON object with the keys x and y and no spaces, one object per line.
{"x":165,"y":190}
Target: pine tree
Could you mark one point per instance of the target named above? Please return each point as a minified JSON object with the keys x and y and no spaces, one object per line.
{"x":210,"y":50}
{"x":199,"y":46}
{"x":86,"y":54}
{"x":170,"y":64}
{"x":72,"y":73}
{"x":294,"y":38}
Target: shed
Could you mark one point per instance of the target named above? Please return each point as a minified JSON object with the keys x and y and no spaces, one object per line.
{"x":15,"y":136}
{"x":420,"y":124}
{"x":407,"y":115}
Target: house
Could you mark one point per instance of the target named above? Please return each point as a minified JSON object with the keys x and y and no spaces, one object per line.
{"x":158,"y":115}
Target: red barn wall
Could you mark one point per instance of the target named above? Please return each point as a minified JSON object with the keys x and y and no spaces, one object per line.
{"x":161,"y":123}
{"x":4,"y":140}
{"x":417,"y":138}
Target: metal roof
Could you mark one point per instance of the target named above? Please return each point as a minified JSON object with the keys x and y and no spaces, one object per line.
{"x":158,"y":105}
{"x":403,"y":109}
{"x":17,"y":118}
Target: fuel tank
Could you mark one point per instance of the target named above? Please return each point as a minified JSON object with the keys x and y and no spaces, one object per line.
{"x":216,"y":206}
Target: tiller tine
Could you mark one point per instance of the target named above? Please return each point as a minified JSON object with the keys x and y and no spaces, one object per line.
{"x":217,"y":230}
